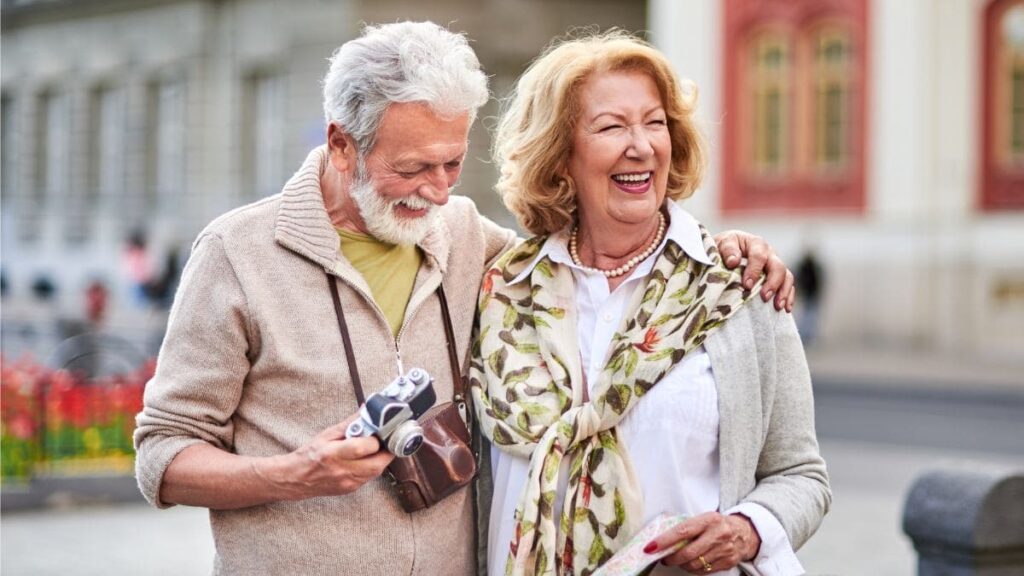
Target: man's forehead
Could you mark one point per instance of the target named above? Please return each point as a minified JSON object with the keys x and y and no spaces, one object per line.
{"x":409,"y":114}
{"x":414,"y":132}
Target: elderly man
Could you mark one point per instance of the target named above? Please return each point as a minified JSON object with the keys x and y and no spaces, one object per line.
{"x":247,"y":412}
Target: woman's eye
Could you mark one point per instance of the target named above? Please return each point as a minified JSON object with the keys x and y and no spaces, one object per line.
{"x":609,"y":128}
{"x":658,"y":122}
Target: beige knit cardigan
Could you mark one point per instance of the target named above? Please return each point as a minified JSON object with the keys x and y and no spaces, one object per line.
{"x":253,"y":364}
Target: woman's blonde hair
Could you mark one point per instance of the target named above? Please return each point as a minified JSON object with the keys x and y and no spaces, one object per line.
{"x":535,"y":132}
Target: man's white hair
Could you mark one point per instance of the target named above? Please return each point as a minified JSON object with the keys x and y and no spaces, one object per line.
{"x":401,"y":62}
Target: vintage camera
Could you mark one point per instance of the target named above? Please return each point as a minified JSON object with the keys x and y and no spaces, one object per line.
{"x":391,"y":413}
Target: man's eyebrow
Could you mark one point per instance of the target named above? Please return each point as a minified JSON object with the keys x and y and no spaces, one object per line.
{"x":420,"y":163}
{"x":410,"y":164}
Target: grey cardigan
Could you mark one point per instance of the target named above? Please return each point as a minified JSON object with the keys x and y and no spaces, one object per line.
{"x":768,"y":449}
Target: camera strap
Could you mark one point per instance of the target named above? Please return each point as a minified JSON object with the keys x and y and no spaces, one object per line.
{"x":457,"y":384}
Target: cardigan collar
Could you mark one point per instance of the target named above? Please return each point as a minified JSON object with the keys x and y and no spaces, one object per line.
{"x":304,"y":227}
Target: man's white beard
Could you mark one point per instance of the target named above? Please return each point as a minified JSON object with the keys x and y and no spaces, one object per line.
{"x":379,"y":213}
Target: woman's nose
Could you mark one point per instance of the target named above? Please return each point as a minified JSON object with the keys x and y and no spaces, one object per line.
{"x":639,"y":144}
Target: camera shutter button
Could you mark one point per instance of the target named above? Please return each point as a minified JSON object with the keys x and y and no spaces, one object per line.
{"x":354,"y":429}
{"x":417,"y":376}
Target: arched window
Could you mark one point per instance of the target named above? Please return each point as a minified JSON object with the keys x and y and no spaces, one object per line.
{"x":830,"y":78}
{"x":1003,"y":101}
{"x":794,"y":108}
{"x":769,"y":75}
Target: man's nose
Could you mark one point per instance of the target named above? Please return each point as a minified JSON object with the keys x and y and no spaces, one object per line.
{"x":437,"y":186}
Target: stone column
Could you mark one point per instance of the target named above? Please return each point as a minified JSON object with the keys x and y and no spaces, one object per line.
{"x":967,"y":523}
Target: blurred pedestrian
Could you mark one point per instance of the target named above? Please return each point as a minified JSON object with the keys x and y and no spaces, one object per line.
{"x":159,"y":290}
{"x":96,"y":296}
{"x":43,"y":288}
{"x":137,"y":265}
{"x":810,"y":281}
{"x":248,"y":409}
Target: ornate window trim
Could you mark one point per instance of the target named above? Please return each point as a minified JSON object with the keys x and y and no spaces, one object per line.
{"x":1002,"y":157}
{"x":810,"y":176}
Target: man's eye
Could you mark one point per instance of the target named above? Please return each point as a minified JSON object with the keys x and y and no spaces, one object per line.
{"x":453,"y":165}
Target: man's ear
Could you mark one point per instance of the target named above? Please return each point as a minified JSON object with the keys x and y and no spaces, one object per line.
{"x":341,"y":148}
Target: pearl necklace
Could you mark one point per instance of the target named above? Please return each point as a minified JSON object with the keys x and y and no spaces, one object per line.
{"x":574,"y":253}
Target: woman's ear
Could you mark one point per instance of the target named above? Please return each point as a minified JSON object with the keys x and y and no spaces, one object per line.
{"x":561,"y":173}
{"x":341,"y":148}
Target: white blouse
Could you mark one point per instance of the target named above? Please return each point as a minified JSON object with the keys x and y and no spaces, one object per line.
{"x":671,"y":433}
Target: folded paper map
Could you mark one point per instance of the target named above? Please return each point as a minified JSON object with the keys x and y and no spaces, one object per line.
{"x":632,"y":560}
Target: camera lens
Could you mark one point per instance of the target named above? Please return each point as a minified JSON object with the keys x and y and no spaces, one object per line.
{"x":412,"y":445}
{"x":406,"y":440}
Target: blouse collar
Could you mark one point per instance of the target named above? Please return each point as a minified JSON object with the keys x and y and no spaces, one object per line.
{"x":683,"y":229}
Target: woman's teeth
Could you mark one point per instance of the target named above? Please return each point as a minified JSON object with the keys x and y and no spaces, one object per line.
{"x":632,"y":178}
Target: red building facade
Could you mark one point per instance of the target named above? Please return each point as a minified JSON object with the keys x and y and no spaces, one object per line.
{"x":1002,"y":131}
{"x":795,"y":115}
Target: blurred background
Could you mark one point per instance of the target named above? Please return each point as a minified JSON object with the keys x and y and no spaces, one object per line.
{"x":878,"y":145}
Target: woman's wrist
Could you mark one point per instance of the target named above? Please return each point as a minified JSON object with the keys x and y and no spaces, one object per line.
{"x":748,"y":540}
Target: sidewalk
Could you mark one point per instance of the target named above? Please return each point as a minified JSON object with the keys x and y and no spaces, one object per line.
{"x":835,"y":364}
{"x":862,"y":535}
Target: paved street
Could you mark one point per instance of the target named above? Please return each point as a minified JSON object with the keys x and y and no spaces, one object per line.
{"x":877,"y":438}
{"x":989,"y":421}
{"x":862,"y":534}
{"x":130,"y":539}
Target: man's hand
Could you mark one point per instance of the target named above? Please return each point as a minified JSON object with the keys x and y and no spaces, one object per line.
{"x":761,"y":257}
{"x":330,"y":465}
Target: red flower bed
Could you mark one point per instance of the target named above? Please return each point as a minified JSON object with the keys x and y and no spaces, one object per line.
{"x":49,"y":416}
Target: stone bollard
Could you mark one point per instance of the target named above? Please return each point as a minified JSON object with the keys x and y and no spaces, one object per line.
{"x":967,"y":523}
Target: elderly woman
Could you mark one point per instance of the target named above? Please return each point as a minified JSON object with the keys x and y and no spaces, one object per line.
{"x":621,"y":370}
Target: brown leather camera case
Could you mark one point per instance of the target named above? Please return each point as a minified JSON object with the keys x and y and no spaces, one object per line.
{"x":443,"y":464}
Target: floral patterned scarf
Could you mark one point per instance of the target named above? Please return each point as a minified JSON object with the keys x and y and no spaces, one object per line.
{"x":527,"y":384}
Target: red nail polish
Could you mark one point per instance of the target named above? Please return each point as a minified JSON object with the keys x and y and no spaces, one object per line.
{"x":651,"y":547}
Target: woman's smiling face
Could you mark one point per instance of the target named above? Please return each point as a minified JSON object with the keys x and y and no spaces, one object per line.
{"x":621,"y":151}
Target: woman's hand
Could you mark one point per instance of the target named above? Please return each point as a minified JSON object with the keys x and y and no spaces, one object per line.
{"x":778,"y":283}
{"x":715,"y":542}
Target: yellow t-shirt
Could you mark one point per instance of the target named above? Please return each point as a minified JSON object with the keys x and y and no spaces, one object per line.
{"x":389,"y":269}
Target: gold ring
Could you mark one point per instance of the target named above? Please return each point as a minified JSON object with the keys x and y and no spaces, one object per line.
{"x":707,"y":565}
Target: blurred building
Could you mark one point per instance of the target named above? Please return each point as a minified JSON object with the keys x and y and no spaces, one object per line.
{"x":887,"y":136}
{"x":129,"y":124}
